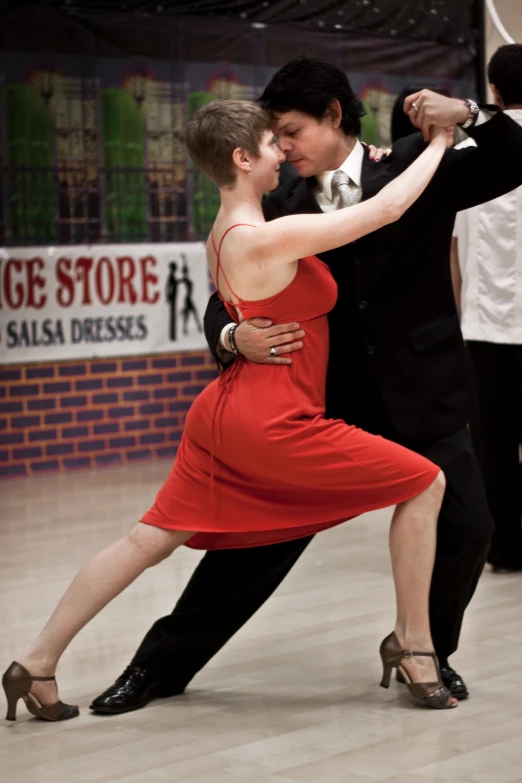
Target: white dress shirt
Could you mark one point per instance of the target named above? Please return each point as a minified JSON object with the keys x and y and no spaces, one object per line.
{"x":490,"y":259}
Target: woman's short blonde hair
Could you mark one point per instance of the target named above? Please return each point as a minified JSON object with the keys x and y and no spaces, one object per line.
{"x":214,"y":132}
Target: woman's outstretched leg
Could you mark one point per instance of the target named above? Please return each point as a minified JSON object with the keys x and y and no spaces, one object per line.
{"x":99,"y":581}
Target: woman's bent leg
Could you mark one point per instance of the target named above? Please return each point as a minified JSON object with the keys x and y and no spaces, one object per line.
{"x":413,"y":537}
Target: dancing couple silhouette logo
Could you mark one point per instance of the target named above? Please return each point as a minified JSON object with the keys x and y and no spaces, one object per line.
{"x":188,"y":308}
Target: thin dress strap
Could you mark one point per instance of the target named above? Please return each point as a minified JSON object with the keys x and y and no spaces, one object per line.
{"x":219,"y":266}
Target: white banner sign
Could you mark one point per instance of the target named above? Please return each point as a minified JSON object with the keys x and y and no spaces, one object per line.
{"x":74,"y":302}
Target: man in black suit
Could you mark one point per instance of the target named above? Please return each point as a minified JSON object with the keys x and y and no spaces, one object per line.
{"x":398,"y":366}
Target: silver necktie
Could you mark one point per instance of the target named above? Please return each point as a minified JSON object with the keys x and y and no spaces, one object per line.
{"x":349,"y":192}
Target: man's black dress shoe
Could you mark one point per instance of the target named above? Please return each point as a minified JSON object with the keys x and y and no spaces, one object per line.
{"x":498,"y":569}
{"x":131,"y":691}
{"x":453,"y":682}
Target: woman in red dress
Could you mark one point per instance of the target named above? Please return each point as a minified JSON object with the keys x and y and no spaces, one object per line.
{"x":258,"y":461}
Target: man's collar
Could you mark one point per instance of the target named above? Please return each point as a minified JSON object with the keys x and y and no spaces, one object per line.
{"x":351,"y":166}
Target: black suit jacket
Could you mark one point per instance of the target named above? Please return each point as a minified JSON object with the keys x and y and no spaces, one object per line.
{"x":395,"y":320}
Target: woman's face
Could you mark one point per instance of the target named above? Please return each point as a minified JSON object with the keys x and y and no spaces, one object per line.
{"x":265,"y":170}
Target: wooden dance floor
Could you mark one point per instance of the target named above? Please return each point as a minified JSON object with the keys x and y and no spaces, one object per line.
{"x":292,"y":698}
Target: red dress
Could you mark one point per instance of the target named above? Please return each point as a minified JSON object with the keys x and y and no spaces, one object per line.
{"x":259,"y":463}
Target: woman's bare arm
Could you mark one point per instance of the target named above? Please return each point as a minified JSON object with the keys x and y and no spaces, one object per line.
{"x":287,"y":238}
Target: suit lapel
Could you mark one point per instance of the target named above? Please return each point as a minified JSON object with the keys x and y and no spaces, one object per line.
{"x":374,"y":175}
{"x":302,"y":200}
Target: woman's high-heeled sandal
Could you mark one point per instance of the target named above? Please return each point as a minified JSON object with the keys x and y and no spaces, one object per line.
{"x":17,"y":682}
{"x":432,"y":694}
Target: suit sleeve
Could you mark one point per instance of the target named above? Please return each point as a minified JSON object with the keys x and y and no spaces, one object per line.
{"x":405,"y":151}
{"x":474,"y":175}
{"x":215,"y":318}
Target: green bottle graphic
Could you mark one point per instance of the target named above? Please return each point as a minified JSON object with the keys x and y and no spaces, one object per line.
{"x":28,"y":144}
{"x":122,"y":143}
{"x":369,"y":126}
{"x":205,"y":195}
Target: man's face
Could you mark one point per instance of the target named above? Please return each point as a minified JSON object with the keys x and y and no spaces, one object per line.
{"x":310,"y":145}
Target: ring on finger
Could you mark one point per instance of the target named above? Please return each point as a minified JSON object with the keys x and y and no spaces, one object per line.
{"x":273,"y":352}
{"x":414,"y":106}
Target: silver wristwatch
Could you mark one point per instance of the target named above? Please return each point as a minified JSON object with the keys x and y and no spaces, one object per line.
{"x":473,"y":113}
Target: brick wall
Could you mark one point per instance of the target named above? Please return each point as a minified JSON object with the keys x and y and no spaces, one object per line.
{"x":64,"y":415}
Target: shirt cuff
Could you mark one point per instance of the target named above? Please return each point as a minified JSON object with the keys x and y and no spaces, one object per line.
{"x":483,"y":116}
{"x":224,"y":331}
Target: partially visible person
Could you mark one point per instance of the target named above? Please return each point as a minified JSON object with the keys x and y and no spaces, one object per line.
{"x":486,"y":266}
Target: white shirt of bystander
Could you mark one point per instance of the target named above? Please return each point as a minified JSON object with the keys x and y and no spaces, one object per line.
{"x":490,"y":259}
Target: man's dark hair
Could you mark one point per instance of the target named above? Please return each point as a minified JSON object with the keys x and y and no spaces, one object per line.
{"x":505,"y":73}
{"x":309,"y":85}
